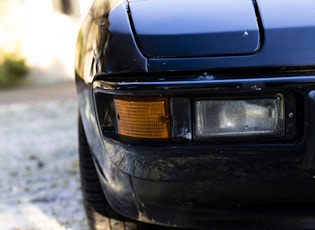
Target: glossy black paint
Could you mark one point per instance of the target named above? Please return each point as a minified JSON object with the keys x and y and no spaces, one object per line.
{"x":197,"y":28}
{"x":106,"y":43}
{"x":287,"y":41}
{"x":187,"y":183}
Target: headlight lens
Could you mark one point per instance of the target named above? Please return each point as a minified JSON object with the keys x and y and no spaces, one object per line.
{"x":239,"y":117}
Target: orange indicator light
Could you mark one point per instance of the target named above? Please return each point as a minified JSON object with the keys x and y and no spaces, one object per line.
{"x":143,"y":118}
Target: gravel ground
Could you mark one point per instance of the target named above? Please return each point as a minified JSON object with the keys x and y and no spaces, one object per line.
{"x":39,"y":178}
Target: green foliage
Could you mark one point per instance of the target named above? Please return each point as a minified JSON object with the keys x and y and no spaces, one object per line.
{"x":12,"y":69}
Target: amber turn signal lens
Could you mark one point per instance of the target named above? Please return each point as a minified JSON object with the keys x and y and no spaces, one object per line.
{"x":143,"y":118}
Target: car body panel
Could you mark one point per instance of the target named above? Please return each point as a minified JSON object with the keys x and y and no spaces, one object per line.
{"x":287,"y":40}
{"x":98,"y":43}
{"x":209,"y":32}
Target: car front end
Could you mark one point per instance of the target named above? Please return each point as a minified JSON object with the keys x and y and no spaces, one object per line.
{"x":196,"y":134}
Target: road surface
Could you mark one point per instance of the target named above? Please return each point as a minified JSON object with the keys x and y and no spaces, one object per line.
{"x":39,"y":178}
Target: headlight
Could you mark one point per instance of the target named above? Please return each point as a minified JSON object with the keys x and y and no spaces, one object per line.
{"x":239,"y":117}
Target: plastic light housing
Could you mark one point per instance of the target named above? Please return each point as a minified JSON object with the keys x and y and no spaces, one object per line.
{"x":239,"y":117}
{"x":146,"y":118}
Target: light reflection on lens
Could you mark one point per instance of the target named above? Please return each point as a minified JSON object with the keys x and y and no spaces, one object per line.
{"x":223,"y":118}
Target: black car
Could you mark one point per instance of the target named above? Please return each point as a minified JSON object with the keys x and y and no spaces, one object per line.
{"x":197,"y":114}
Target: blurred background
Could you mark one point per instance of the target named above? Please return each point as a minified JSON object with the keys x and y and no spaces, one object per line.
{"x":37,"y":40}
{"x":39,"y":170}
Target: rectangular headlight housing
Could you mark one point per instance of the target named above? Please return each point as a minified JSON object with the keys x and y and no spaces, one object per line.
{"x":239,"y":117}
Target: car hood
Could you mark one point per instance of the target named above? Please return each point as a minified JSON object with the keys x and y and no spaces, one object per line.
{"x":198,"y":28}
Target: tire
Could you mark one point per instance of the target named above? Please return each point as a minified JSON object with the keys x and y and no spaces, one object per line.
{"x":100,"y":215}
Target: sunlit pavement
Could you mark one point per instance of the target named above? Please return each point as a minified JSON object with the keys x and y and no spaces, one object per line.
{"x":39,"y":181}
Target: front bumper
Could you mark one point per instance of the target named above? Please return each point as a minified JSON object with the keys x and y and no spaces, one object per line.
{"x":202,"y":184}
{"x":198,"y":187}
